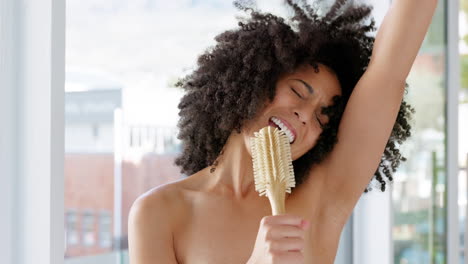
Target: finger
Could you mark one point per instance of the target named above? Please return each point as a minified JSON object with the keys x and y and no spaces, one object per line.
{"x":282,"y":231}
{"x":285,"y":219}
{"x":286,"y":244}
{"x":289,"y":257}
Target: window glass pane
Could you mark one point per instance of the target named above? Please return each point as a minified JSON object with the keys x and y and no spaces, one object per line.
{"x":462,"y":201}
{"x":463,"y":128}
{"x":122,"y":60}
{"x":71,"y":231}
{"x":88,"y":229}
{"x":419,"y":196}
{"x":105,"y":229}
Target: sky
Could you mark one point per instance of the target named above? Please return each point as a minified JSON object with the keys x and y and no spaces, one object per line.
{"x":143,"y":46}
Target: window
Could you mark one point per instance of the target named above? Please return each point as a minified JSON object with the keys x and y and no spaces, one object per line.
{"x":105,"y":229}
{"x":89,"y":237}
{"x":72,"y":230}
{"x":123,"y":59}
{"x":463,"y":131}
{"x":419,"y":195}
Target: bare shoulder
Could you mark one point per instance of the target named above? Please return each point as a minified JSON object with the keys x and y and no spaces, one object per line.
{"x":162,"y":197}
{"x":152,"y":219}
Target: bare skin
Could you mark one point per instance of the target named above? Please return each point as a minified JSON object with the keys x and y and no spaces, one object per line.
{"x":219,"y":218}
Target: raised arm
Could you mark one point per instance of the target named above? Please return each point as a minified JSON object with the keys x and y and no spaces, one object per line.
{"x":400,"y":36}
{"x":372,"y":109}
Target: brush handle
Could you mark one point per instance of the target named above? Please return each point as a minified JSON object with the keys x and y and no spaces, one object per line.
{"x":277,"y":195}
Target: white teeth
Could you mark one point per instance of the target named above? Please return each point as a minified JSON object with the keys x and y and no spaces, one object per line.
{"x":283,"y":128}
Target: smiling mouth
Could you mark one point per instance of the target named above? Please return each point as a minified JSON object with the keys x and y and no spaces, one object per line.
{"x":275,"y":122}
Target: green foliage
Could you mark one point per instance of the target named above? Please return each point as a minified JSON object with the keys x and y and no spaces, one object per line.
{"x":464,"y":71}
{"x":429,"y":107}
{"x":464,"y":58}
{"x":464,"y":5}
{"x":411,"y":218}
{"x":464,"y":8}
{"x":435,"y":38}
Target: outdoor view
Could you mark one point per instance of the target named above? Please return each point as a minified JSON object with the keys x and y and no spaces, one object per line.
{"x":122,"y":60}
{"x":463,"y":130}
{"x":419,"y":198}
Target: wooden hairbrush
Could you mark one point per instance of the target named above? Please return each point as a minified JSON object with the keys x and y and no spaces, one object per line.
{"x":272,"y":166}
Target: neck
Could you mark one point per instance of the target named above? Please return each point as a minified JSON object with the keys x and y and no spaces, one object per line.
{"x":234,"y":173}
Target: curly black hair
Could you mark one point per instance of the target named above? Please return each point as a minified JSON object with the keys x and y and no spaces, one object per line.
{"x":237,"y":77}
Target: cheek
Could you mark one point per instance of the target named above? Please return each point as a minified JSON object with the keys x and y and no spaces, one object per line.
{"x":283,"y":100}
{"x":306,"y":145}
{"x":313,"y":136}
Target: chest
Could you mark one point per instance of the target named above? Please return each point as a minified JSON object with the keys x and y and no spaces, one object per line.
{"x":215,"y":231}
{"x":221,"y":232}
{"x":223,"y":242}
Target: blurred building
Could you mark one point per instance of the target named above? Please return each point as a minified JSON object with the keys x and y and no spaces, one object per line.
{"x":147,"y":161}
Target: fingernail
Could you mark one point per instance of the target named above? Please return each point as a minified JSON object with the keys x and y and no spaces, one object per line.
{"x":305,"y":224}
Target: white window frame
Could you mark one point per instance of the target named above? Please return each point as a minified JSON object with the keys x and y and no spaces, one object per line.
{"x":32,"y":77}
{"x":452,"y":92}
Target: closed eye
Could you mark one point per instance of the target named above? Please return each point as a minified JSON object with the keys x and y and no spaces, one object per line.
{"x":320,"y":123}
{"x":296,"y":92}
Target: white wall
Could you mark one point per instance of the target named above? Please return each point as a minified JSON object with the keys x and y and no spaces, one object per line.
{"x":372,"y":229}
{"x":31,"y":110}
{"x":8,"y":13}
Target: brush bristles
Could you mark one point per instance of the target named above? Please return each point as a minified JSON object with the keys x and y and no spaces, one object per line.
{"x":272,"y":163}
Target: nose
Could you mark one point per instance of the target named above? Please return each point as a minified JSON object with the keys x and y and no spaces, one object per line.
{"x":306,"y":111}
{"x":299,"y":117}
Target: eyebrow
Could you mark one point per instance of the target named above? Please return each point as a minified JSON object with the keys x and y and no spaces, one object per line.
{"x":309,"y":88}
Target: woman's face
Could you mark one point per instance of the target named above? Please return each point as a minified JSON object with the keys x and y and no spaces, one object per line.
{"x":297,"y":105}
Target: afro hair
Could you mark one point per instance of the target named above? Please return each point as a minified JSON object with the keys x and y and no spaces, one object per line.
{"x":237,"y":77}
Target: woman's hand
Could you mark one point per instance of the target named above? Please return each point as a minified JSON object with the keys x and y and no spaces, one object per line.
{"x":280,"y":239}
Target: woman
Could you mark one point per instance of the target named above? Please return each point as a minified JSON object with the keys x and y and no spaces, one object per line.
{"x":323,"y":79}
